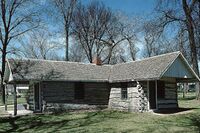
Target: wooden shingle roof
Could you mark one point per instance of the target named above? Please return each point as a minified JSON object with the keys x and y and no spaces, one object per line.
{"x":147,"y":69}
{"x":32,"y":69}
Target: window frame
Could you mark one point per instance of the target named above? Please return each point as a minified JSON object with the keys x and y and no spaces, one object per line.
{"x":124,"y":91}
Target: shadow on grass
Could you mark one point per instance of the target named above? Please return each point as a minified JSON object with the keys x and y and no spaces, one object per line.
{"x":12,"y":123}
{"x":187,"y":98}
{"x":45,"y":122}
{"x":173,"y":110}
{"x":195,"y":121}
{"x":83,"y":122}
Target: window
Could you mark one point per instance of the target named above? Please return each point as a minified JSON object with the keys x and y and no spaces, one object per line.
{"x":124,"y":92}
{"x":79,"y":92}
{"x":161,"y":89}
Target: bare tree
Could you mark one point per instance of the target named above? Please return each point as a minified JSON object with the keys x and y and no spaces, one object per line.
{"x":66,"y":9}
{"x":133,"y":49}
{"x":153,"y":33}
{"x":182,"y":42}
{"x":182,"y":12}
{"x":89,"y":27}
{"x":118,"y":55}
{"x":197,"y":26}
{"x":76,"y":52}
{"x":40,"y":45}
{"x":16,"y":18}
{"x":188,"y":8}
{"x":100,"y":32}
{"x":156,"y":41}
{"x":121,"y":30}
{"x":150,"y":37}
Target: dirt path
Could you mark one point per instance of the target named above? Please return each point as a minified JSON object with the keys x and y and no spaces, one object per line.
{"x":20,"y":111}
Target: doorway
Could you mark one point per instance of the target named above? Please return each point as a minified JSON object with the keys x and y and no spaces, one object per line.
{"x":37,"y":97}
{"x":152,"y":94}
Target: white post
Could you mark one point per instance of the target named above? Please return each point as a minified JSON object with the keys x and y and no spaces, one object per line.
{"x":197,"y":89}
{"x":184,"y":89}
{"x":6,"y":98}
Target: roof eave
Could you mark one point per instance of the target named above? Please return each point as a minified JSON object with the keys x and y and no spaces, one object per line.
{"x":136,"y":80}
{"x":53,"y":80}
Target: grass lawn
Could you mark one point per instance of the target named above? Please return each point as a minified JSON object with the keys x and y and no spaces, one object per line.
{"x":10,"y":100}
{"x":107,"y":121}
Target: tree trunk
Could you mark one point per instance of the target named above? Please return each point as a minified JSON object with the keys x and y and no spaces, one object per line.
{"x":181,"y":41}
{"x":190,"y":29}
{"x":109,"y":54}
{"x":66,"y":43}
{"x":90,"y":56}
{"x":2,"y":74}
{"x":197,"y":90}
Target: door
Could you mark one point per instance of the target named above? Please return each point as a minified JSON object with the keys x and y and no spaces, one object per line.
{"x":152,"y":94}
{"x":36,"y":97}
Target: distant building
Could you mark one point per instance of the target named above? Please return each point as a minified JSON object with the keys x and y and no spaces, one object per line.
{"x":21,"y":89}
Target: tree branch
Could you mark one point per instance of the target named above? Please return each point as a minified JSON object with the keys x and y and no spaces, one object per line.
{"x":18,"y":34}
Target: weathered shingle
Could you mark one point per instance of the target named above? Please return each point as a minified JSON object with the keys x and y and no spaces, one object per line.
{"x":149,"y":68}
{"x":31,"y":69}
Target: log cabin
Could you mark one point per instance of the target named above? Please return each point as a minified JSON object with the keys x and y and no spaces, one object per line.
{"x":138,"y":86}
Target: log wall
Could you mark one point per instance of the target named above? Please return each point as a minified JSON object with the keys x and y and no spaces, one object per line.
{"x":170,"y":100}
{"x":61,"y":95}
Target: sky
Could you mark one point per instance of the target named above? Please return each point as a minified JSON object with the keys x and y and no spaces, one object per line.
{"x":135,"y":7}
{"x":141,"y":8}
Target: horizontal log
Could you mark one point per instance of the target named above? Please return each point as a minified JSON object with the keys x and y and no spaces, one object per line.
{"x":166,"y":101}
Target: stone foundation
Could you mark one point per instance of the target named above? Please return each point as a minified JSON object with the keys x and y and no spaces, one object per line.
{"x":58,"y":107}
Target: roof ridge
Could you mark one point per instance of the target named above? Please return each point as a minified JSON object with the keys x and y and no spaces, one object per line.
{"x":82,"y":63}
{"x":156,"y":56}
